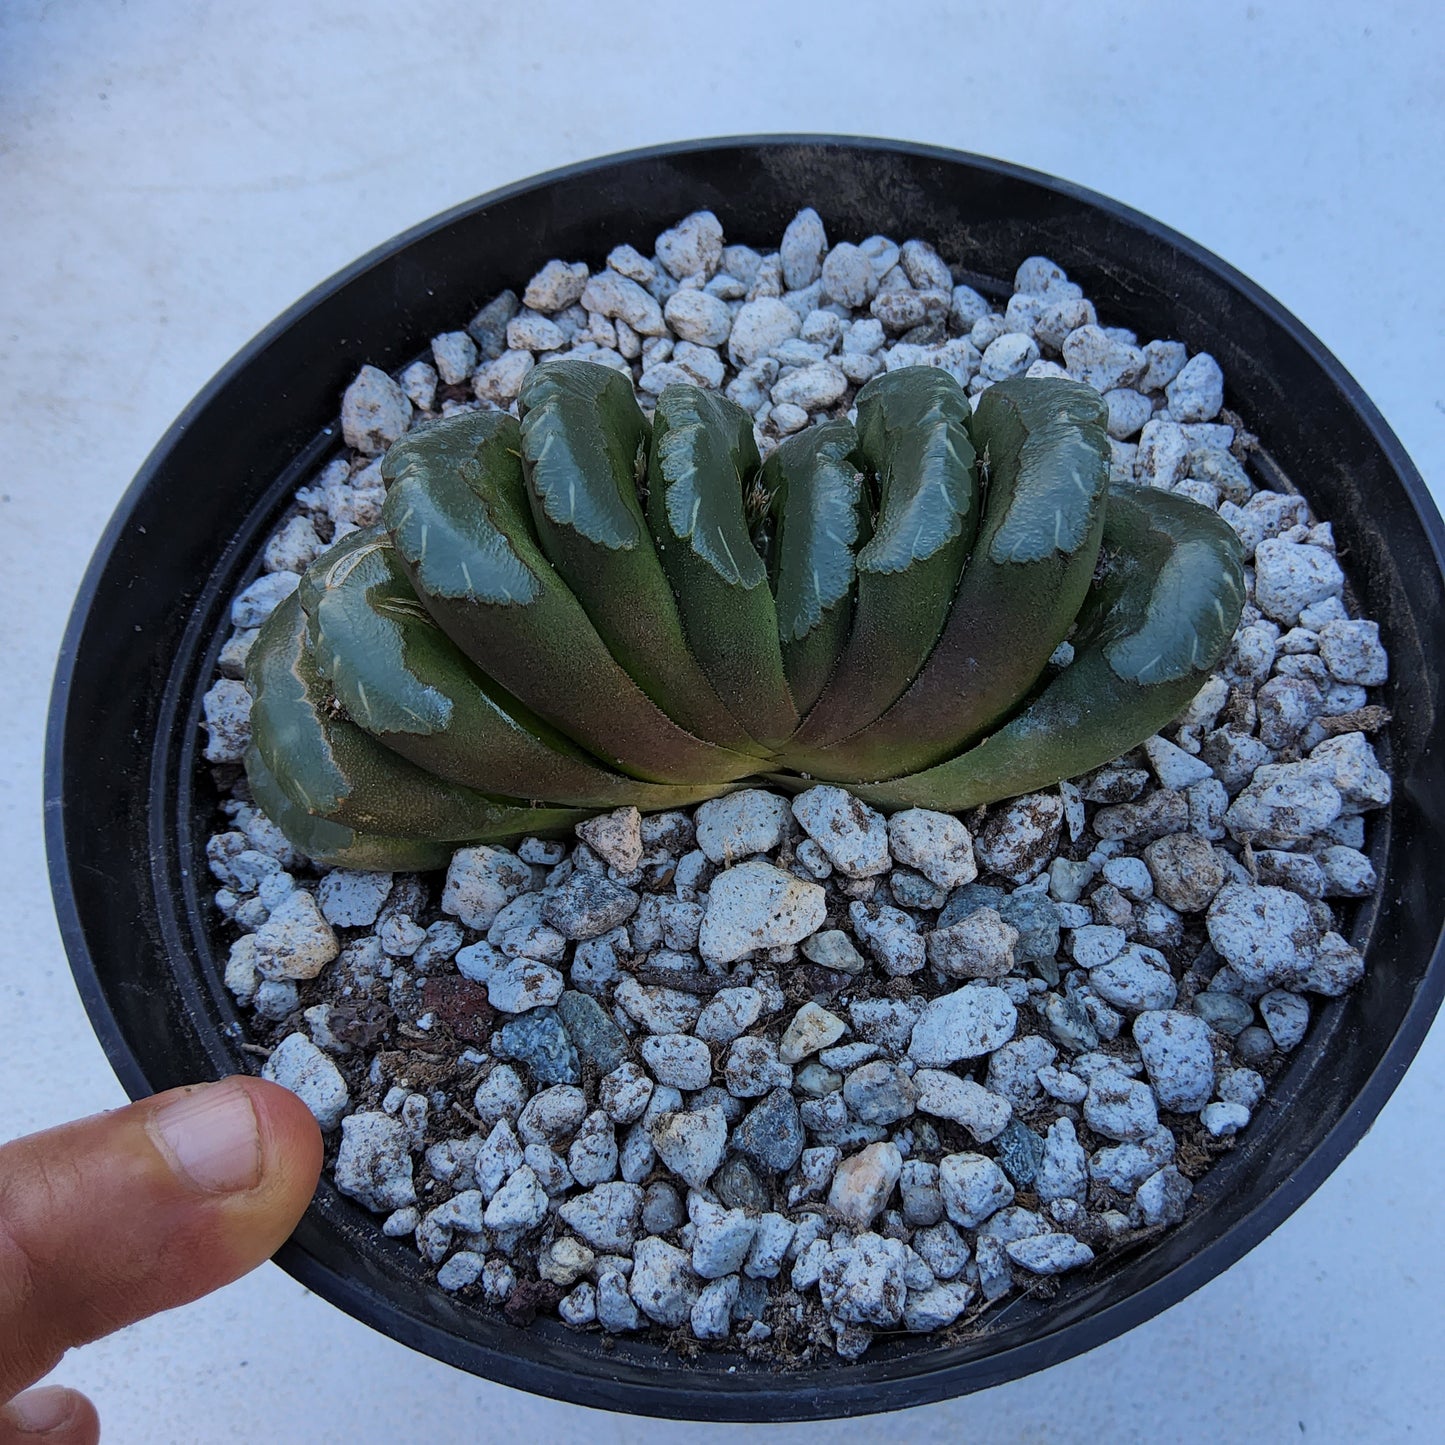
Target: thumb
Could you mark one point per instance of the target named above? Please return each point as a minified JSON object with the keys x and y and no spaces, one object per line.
{"x":119,"y":1216}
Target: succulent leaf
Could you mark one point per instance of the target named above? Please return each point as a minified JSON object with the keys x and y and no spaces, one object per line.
{"x":400,"y":677}
{"x":1043,"y":443}
{"x":1160,"y":616}
{"x":457,"y":513}
{"x":817,"y":503}
{"x":913,"y":435}
{"x":1190,"y":618}
{"x":585,"y":447}
{"x":356,"y":599}
{"x":334,"y":770}
{"x":533,"y":622}
{"x":333,"y":843}
{"x":913,"y":440}
{"x":456,"y":509}
{"x":583,"y":435}
{"x":704,"y":460}
{"x":1047,"y":457}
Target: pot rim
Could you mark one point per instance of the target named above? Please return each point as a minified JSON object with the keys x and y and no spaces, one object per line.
{"x":694,"y":1396}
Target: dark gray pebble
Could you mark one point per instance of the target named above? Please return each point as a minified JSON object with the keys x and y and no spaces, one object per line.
{"x":772,"y":1135}
{"x":596,"y":1037}
{"x":538,"y":1040}
{"x":1020,"y":1152}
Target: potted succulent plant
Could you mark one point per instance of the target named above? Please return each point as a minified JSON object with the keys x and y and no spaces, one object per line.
{"x":574,"y":610}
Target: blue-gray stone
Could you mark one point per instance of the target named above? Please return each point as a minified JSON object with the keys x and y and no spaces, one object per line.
{"x":538,"y":1040}
{"x":1020,"y":1152}
{"x":597,"y":1037}
{"x":1048,"y":970}
{"x":1069,"y":1023}
{"x":738,"y":1187}
{"x":850,"y":1136}
{"x":925,"y":1136}
{"x":1037,"y":920}
{"x":772,"y":1135}
{"x":661,"y":1208}
{"x":969,"y":899}
{"x":488,"y":328}
{"x":1226,"y":1012}
{"x":879,"y":1093}
{"x":913,"y":890}
{"x":1254,"y":1046}
{"x":754,"y":1295}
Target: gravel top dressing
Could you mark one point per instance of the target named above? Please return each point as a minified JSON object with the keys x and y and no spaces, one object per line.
{"x":784,"y":1072}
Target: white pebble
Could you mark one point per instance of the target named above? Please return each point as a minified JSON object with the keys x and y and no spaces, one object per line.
{"x":297,"y":1064}
{"x":1197,"y":392}
{"x":374,"y":412}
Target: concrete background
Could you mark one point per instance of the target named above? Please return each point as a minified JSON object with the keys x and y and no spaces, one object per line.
{"x":173,"y":175}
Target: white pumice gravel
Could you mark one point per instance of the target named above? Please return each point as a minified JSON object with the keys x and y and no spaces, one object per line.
{"x":774,"y":1071}
{"x":297,"y":1064}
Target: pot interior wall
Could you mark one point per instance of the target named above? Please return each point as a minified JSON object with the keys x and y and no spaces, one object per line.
{"x":128,"y":814}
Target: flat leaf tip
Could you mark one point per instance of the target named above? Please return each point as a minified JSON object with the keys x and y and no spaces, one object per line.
{"x":705,"y":458}
{"x":452,"y":511}
{"x":913,"y":435}
{"x":1194,"y":603}
{"x":817,"y":493}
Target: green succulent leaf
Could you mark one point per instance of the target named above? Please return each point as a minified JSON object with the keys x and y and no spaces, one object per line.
{"x":913,"y":442}
{"x":1046,"y":452}
{"x":356,"y":598}
{"x":333,"y":770}
{"x":818,"y":507}
{"x":584,"y":438}
{"x":705,"y":458}
{"x":1045,"y":439}
{"x":583,"y":610}
{"x":333,"y":843}
{"x":402,"y":679}
{"x":458,"y":516}
{"x":704,"y":462}
{"x":1190,"y":616}
{"x":1161,"y":615}
{"x":913,"y":436}
{"x":457,"y":510}
{"x":585,"y":445}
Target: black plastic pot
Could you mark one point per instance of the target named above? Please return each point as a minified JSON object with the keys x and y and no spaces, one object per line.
{"x":128,"y":811}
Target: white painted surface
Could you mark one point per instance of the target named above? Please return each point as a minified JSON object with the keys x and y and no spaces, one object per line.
{"x":171,"y":177}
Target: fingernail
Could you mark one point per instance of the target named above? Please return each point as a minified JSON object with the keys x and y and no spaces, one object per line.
{"x":37,"y":1412}
{"x":210,"y":1136}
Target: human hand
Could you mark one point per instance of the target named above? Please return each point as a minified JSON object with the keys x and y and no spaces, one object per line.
{"x":120,"y":1216}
